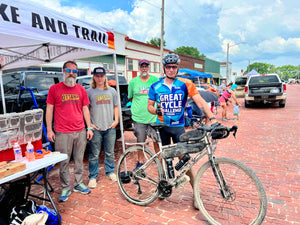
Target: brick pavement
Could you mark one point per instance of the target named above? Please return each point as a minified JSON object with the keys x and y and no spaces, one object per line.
{"x":268,"y":141}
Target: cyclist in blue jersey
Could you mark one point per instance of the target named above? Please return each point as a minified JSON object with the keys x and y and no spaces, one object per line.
{"x":171,"y":93}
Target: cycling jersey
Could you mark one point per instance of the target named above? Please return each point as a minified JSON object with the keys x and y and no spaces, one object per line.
{"x":172,"y":100}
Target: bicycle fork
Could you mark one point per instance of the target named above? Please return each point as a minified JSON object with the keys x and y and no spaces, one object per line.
{"x":223,"y":187}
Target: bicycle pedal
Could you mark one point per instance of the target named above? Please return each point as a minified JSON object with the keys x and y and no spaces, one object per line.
{"x":182,"y":181}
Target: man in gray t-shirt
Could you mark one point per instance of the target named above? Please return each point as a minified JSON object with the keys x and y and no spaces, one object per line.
{"x":104,"y":112}
{"x":102,"y":104}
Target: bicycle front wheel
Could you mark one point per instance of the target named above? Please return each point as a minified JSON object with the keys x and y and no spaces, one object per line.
{"x":139,"y":186}
{"x":245,"y":200}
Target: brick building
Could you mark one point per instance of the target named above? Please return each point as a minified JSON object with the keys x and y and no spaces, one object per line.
{"x":192,"y":63}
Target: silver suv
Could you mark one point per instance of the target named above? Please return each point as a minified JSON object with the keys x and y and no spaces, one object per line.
{"x":241,"y":83}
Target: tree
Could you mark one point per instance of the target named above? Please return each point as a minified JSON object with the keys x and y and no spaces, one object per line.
{"x":288,"y":71}
{"x":285,"y":72}
{"x":262,"y":68}
{"x":156,"y":42}
{"x":191,"y":51}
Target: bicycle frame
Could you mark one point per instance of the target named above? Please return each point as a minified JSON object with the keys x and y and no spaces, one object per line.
{"x":208,"y":150}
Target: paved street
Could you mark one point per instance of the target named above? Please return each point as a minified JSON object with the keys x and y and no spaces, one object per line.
{"x":268,"y":141}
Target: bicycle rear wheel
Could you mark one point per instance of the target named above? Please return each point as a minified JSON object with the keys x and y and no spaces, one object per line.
{"x":246,"y":202}
{"x":140,"y":186}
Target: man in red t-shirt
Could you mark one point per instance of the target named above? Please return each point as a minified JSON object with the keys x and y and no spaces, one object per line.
{"x":69,"y":102}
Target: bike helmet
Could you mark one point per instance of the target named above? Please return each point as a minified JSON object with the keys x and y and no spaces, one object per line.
{"x":171,"y":59}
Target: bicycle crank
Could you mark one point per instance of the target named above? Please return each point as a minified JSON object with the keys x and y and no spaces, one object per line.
{"x":164,"y":188}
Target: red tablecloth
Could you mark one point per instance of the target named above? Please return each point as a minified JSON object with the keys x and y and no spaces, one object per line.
{"x":8,"y":154}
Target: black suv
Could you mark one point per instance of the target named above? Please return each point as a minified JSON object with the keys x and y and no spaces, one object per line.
{"x":18,"y":100}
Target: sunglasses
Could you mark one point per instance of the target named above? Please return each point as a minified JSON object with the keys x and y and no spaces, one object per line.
{"x":69,"y":70}
{"x":171,"y":67}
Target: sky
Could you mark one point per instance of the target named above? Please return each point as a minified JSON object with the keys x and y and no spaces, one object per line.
{"x":266,"y":31}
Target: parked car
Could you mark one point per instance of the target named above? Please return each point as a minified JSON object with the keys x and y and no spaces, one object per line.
{"x":265,"y":88}
{"x":123,"y":84}
{"x":17,"y":100}
{"x":241,"y":83}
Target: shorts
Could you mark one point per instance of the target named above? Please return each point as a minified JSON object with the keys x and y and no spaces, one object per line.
{"x":141,"y":131}
{"x":166,"y":133}
{"x":236,"y":110}
{"x":222,"y":99}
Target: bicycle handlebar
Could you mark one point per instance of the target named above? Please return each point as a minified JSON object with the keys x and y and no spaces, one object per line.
{"x":221,"y":131}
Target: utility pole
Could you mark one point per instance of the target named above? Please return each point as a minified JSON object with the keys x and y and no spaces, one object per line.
{"x":249,"y":66}
{"x":162,"y":36}
{"x":227,"y":61}
{"x":227,"y":72}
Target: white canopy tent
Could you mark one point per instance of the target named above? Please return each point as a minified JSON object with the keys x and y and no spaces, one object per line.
{"x":33,"y":35}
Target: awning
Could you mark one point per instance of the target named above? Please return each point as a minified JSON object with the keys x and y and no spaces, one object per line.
{"x":32,"y":35}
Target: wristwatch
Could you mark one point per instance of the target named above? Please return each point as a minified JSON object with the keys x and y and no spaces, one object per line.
{"x":212,"y":118}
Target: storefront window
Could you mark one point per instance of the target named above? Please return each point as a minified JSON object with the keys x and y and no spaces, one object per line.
{"x":130,"y":64}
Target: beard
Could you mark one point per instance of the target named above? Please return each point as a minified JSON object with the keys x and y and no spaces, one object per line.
{"x":144,"y":74}
{"x":70,"y":81}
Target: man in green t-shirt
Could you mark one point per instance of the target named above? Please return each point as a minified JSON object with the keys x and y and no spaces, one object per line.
{"x":138,"y":94}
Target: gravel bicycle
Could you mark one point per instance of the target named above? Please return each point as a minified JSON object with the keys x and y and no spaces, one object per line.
{"x":225,"y":190}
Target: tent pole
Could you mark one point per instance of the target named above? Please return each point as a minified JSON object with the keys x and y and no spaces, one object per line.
{"x":2,"y":92}
{"x":119,"y":102}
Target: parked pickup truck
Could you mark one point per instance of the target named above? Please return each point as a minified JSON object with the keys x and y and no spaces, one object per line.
{"x":265,"y":88}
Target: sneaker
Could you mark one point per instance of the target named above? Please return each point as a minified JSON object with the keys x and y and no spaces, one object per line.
{"x":64,"y":195}
{"x":92,"y":183}
{"x":112,"y":176}
{"x":82,"y":189}
{"x":224,"y":119}
{"x":138,"y":165}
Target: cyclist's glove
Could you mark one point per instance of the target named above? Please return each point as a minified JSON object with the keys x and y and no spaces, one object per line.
{"x":158,"y":111}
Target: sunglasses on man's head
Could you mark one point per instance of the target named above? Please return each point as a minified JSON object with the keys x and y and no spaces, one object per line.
{"x":69,"y":70}
{"x":171,"y":67}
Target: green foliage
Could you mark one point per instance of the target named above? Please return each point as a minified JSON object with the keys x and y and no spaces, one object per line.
{"x":289,"y":71}
{"x":156,"y":42}
{"x":191,"y":51}
{"x":262,"y":68}
{"x":285,"y":72}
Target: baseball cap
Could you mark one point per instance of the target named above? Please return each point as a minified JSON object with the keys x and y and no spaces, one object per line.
{"x":99,"y":70}
{"x":144,"y":61}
